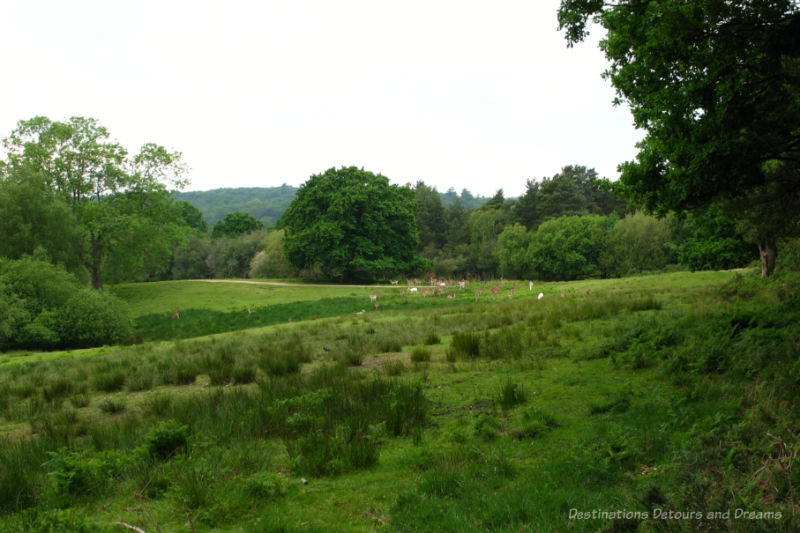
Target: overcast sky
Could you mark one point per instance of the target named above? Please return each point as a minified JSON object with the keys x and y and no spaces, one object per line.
{"x":462,"y":94}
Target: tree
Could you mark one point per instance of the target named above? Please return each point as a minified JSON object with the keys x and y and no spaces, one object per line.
{"x":271,"y":262}
{"x":192,"y":217}
{"x":512,"y":252}
{"x":712,"y":241}
{"x":569,"y":247}
{"x":119,"y":201}
{"x":715,"y":86}
{"x":526,"y":212}
{"x":637,"y":243}
{"x":235,"y":224}
{"x":431,"y":221}
{"x":353,"y":225}
{"x":33,"y":218}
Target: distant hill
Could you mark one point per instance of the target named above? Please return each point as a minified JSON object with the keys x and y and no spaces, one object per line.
{"x":267,"y":204}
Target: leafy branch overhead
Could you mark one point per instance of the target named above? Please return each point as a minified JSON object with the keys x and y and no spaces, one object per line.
{"x":116,"y":199}
{"x":715,"y":86}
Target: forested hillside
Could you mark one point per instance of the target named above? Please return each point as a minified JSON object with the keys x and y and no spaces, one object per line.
{"x":267,"y":204}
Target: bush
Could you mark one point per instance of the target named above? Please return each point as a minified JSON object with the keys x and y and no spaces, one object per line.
{"x":167,"y":439}
{"x":92,"y":318}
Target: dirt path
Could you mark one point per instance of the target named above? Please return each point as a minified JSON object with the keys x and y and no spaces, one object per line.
{"x":287,"y":284}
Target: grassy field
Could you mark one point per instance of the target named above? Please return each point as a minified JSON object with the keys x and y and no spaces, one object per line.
{"x":641,"y":404}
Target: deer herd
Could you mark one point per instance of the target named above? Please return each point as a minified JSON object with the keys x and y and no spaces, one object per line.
{"x":436,"y":287}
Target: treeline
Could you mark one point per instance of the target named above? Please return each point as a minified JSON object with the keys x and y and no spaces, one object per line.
{"x":568,"y":226}
{"x":267,"y":204}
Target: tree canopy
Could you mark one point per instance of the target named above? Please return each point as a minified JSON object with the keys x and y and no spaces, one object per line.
{"x":352,"y":224}
{"x":715,"y":86}
{"x":120,"y":201}
{"x":236,"y":223}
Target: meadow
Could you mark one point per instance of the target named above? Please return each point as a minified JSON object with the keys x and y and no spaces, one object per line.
{"x":286,"y":408}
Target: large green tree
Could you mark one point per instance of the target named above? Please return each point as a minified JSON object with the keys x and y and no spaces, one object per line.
{"x":121,"y":201}
{"x":714,"y":84}
{"x":235,"y":224}
{"x":33,"y":220}
{"x":352,"y":224}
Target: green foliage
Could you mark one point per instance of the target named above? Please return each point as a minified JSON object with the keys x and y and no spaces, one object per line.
{"x":34,"y":220}
{"x":167,"y":439}
{"x":127,"y":220}
{"x":569,"y":247}
{"x":266,"y":204}
{"x":713,"y":242}
{"x":235,"y":224}
{"x":431,"y":219}
{"x":190,"y":259}
{"x":91,"y":318}
{"x":679,"y":66}
{"x":512,"y":251}
{"x":353,"y":224}
{"x":46,"y":307}
{"x":231,"y":257}
{"x":637,"y":243}
{"x":271,"y":262}
{"x":192,"y":217}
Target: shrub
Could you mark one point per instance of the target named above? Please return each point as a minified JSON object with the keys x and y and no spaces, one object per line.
{"x":91,"y":318}
{"x":167,"y":439}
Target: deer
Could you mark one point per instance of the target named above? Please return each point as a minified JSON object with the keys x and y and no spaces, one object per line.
{"x":175,"y":315}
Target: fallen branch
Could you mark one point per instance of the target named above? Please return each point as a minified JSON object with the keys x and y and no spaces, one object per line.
{"x":128,"y":526}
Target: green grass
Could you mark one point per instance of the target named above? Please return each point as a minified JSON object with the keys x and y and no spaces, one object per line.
{"x":675,"y":391}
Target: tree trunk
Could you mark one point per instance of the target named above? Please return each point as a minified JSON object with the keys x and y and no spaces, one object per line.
{"x":768,"y":252}
{"x":95,"y":263}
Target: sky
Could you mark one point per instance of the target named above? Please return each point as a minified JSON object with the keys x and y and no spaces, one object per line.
{"x":458,"y":94}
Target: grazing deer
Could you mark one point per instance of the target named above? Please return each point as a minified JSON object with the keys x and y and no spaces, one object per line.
{"x":563,"y":294}
{"x":495,"y":290}
{"x":394,"y":281}
{"x":377,"y":305}
{"x":175,"y":315}
{"x":451,"y":296}
{"x":412,"y":289}
{"x":425,"y":291}
{"x":588,"y":291}
{"x":373,"y":297}
{"x":250,"y":311}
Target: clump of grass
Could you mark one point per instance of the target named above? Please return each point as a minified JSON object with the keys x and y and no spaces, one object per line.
{"x":389,"y":346}
{"x":109,"y":381}
{"x":157,"y":404}
{"x":80,"y":400}
{"x":394,"y":368}
{"x":465,"y":344}
{"x":431,"y":339}
{"x":511,"y":395}
{"x":420,"y":354}
{"x":166,"y":439}
{"x":112,"y":406}
{"x":244,"y":374}
{"x":140,"y":380}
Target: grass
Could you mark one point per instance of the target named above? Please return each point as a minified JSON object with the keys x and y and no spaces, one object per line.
{"x":675,"y":391}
